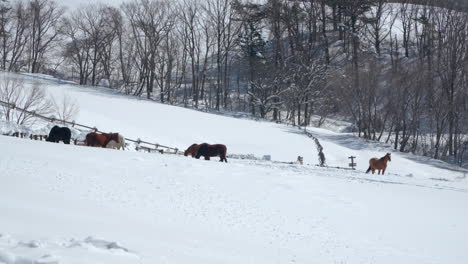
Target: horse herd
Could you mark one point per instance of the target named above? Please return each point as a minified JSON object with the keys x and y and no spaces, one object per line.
{"x":117,"y":141}
{"x":93,"y":139}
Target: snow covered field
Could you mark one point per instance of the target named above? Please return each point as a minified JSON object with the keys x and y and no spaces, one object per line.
{"x":179,"y":127}
{"x":57,"y":200}
{"x":71,"y":204}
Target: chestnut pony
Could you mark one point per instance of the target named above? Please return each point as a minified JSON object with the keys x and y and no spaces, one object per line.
{"x":192,"y":150}
{"x":94,"y":139}
{"x":379,"y":164}
{"x":207,"y":151}
{"x":117,"y":145}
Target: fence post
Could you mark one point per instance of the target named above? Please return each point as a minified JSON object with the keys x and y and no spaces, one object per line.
{"x":300,"y":160}
{"x":352,"y":164}
{"x":53,"y":119}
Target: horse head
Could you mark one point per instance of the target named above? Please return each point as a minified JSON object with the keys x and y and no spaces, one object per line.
{"x":190,"y":149}
{"x":388,"y":156}
{"x":115,"y":137}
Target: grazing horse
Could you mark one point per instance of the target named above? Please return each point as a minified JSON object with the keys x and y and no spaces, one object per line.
{"x":57,"y":134}
{"x":379,"y":164}
{"x":117,"y":145}
{"x":94,"y":139}
{"x":192,"y":150}
{"x":207,"y":151}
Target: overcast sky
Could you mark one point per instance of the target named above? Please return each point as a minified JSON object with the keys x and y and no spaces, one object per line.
{"x":76,"y":3}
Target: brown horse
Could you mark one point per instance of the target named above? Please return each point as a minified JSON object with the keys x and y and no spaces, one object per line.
{"x":207,"y":151}
{"x":379,"y":164}
{"x":192,"y":150}
{"x":94,"y":139}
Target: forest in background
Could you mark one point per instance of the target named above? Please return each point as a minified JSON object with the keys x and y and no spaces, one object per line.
{"x":397,"y":70}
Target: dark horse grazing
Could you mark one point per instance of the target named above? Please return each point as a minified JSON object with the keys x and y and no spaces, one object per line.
{"x":207,"y":151}
{"x":94,"y":139}
{"x":379,"y":164}
{"x":192,"y":150}
{"x":57,"y":134}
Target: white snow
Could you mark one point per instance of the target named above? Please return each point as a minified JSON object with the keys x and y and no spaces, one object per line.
{"x":73,"y":204}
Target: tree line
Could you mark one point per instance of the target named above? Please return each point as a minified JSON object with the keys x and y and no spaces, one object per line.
{"x":395,"y":69}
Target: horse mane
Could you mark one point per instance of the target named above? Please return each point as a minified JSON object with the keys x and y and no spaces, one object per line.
{"x":111,"y":136}
{"x":384,"y":157}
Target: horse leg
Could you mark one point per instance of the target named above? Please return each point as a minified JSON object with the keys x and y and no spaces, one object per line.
{"x":379,"y":172}
{"x":373,"y":171}
{"x":383,"y":171}
{"x":207,"y":157}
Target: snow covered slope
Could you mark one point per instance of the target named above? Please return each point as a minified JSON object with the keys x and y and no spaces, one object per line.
{"x":71,"y":204}
{"x":180,"y":127}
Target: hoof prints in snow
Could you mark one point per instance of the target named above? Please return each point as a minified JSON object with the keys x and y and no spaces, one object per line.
{"x":91,"y":242}
{"x":72,"y":251}
{"x":10,"y":258}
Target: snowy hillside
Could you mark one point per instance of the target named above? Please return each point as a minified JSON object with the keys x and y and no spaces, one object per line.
{"x":71,"y":204}
{"x":57,"y":200}
{"x":179,"y":127}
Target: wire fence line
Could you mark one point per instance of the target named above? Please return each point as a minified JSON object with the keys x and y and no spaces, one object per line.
{"x":157,"y":147}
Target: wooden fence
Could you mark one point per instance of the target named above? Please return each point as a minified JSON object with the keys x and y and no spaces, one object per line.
{"x":155,"y":147}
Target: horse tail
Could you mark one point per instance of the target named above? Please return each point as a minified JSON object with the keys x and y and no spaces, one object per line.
{"x":86,"y":141}
{"x":224,"y":153}
{"x":122,"y":141}
{"x":90,"y":139}
{"x":369,"y":169}
{"x":67,"y":135}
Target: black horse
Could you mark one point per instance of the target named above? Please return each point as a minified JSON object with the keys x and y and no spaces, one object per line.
{"x":207,"y":151}
{"x":59,"y":133}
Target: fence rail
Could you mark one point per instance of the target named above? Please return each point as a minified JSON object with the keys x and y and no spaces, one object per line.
{"x":157,"y":147}
{"x":95,"y":129}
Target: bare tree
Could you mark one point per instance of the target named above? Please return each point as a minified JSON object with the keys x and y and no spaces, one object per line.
{"x":199,"y":43}
{"x":45,"y":16}
{"x":33,"y":99}
{"x":66,"y":108}
{"x":379,"y":22}
{"x":149,"y":20}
